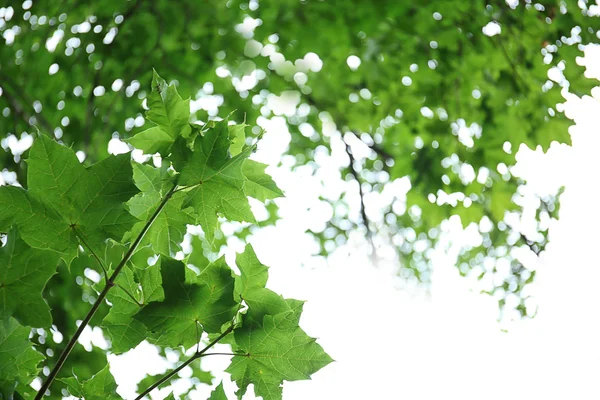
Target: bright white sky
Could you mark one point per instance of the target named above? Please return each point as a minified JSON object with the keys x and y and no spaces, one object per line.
{"x":394,"y":343}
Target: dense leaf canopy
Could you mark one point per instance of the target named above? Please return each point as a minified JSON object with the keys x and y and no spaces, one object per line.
{"x":426,"y":104}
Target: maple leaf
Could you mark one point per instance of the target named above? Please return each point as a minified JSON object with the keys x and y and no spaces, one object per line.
{"x":277,"y":350}
{"x":137,"y":285}
{"x":19,"y":359}
{"x":189,"y":308}
{"x":250,"y":286}
{"x":66,"y":201}
{"x":253,"y":273}
{"x":259,"y":185}
{"x":215,"y":180}
{"x":218,"y":393}
{"x":24,"y":273}
{"x":127,"y":299}
{"x":101,"y":386}
{"x":167,"y":232}
{"x":169,"y":112}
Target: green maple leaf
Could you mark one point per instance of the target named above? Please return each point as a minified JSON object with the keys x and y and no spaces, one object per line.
{"x":24,"y":273}
{"x":196,"y":258}
{"x":101,"y":386}
{"x":65,"y":200}
{"x":167,"y":232}
{"x":218,"y":393}
{"x":259,"y":184}
{"x":190,"y":308}
{"x":253,"y":273}
{"x":250,"y":286}
{"x":237,"y":137}
{"x":124,"y":331}
{"x":276,"y":351}
{"x":19,"y":359}
{"x":215,"y":179}
{"x":171,"y":115}
{"x":134,"y":288}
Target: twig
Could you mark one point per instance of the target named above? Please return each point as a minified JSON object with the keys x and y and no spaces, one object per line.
{"x":518,"y":79}
{"x":354,"y":173}
{"x":109,"y":284}
{"x":381,"y":152}
{"x":197,"y":355}
{"x":18,"y":105}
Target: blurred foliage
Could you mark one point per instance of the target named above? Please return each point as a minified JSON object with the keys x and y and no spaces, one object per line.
{"x":427,"y":89}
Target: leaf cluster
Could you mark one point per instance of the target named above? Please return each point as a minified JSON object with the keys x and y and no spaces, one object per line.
{"x":127,"y":222}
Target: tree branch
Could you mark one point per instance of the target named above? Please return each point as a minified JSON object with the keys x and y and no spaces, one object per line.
{"x":197,"y":355}
{"x":354,"y":173}
{"x":18,"y":105}
{"x":109,"y":284}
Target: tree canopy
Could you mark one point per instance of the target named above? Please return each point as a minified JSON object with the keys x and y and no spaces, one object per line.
{"x":428,"y":103}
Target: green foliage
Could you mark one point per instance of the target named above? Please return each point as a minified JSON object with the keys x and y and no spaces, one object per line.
{"x":19,"y":360}
{"x":101,"y":386}
{"x":274,"y":351}
{"x":432,"y":97}
{"x":206,"y":304}
{"x":171,"y":115}
{"x":66,"y":203}
{"x":218,"y":393}
{"x":25,"y":272}
{"x":92,"y":212}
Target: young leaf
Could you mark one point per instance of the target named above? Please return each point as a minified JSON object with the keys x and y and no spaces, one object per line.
{"x":276,"y":351}
{"x":216,"y":179}
{"x":24,"y":273}
{"x":251,"y":287}
{"x":101,"y":386}
{"x":237,"y":137}
{"x":253,"y":273}
{"x":259,"y":184}
{"x":19,"y":359}
{"x":209,"y":303}
{"x":65,"y":199}
{"x":171,"y":115}
{"x":218,"y":393}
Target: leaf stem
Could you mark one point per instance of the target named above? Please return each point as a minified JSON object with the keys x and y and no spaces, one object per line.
{"x":109,"y":284}
{"x":80,"y":237}
{"x":197,"y":355}
{"x":131,"y":296}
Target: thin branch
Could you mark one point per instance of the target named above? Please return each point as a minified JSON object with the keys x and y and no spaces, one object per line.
{"x":18,"y":105}
{"x":381,"y":152}
{"x":354,"y":173}
{"x":517,"y":77}
{"x":225,"y":354}
{"x":109,"y":284}
{"x":197,"y":355}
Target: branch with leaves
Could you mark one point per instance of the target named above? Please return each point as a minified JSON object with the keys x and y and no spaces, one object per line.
{"x":118,"y":214}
